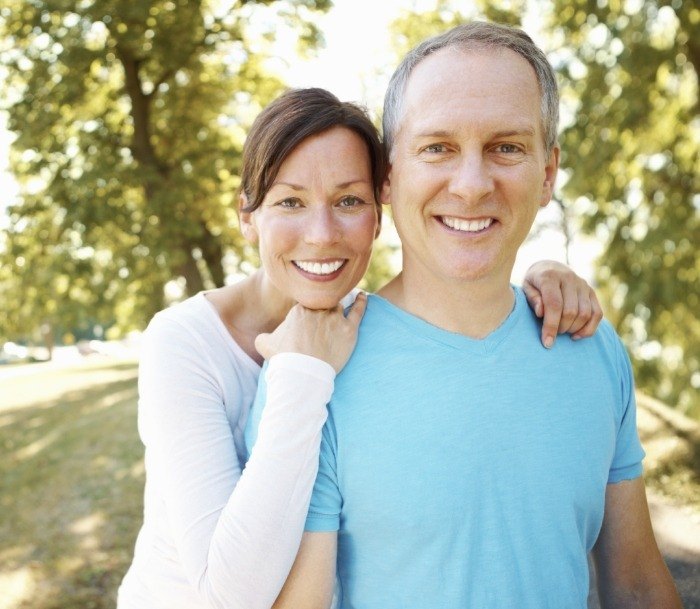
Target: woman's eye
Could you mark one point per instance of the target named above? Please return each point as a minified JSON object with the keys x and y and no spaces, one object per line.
{"x":289,"y":203}
{"x":350,"y":201}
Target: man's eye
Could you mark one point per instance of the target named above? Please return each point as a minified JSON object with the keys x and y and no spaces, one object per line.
{"x":507,"y":148}
{"x":350,"y":201}
{"x":435,"y":148}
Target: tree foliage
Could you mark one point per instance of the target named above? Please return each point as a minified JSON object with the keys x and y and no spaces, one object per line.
{"x":630,"y":140}
{"x":630,"y":72}
{"x":129,"y":117}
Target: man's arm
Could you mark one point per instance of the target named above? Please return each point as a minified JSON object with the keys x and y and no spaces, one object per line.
{"x":312,"y":578}
{"x":630,"y":569}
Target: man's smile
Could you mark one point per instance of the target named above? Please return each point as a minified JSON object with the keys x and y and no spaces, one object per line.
{"x":469,"y":226}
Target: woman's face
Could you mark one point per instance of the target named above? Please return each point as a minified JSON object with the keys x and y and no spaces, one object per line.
{"x":318,"y":220}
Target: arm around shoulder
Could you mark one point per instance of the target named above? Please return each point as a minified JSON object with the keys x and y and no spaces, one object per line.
{"x":630,"y":569}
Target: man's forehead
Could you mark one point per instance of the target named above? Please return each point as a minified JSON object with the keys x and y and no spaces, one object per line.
{"x":476,"y":70}
{"x":494,"y":88}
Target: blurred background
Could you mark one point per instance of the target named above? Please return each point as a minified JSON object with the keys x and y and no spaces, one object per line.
{"x":121,"y":128}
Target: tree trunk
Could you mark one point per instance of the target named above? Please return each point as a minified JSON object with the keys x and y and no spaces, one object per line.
{"x":189,"y":270}
{"x":47,"y":337}
{"x":213,"y":255}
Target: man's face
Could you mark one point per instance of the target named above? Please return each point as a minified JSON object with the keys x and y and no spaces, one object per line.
{"x":469,"y":169}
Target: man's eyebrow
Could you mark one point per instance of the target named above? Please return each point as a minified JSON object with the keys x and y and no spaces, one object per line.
{"x":438,"y":133}
{"x":529,"y":131}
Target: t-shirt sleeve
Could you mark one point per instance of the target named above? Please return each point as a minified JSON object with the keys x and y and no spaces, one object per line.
{"x":255,"y":415}
{"x":627,"y":461}
{"x":326,"y":500}
{"x":237,"y":533}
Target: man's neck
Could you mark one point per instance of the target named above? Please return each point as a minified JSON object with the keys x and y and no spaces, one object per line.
{"x":471,"y":308}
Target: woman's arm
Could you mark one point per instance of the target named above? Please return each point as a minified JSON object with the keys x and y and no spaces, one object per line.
{"x":563,"y":299}
{"x":236,"y":533}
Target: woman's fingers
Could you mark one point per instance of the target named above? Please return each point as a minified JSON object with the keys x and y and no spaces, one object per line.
{"x":596,"y":316}
{"x":357,"y":310}
{"x":324,"y":334}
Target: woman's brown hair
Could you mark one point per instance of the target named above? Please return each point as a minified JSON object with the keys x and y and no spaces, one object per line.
{"x":289,"y":120}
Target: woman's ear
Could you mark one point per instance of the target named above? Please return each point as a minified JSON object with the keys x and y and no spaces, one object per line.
{"x":246,"y":219}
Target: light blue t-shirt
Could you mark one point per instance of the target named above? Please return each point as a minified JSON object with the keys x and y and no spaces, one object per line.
{"x":465,"y":473}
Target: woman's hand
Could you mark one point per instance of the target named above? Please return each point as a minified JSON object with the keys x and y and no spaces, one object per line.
{"x":324,"y":334}
{"x":565,"y":301}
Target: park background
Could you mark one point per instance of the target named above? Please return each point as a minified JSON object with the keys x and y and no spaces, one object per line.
{"x":121,"y":127}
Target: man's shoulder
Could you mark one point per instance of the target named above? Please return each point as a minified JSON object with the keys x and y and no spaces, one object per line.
{"x":606,"y":340}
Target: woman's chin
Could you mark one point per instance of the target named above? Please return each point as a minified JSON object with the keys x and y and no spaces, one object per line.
{"x":317,"y":302}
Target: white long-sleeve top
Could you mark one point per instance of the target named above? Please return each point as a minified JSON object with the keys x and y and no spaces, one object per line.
{"x":215,"y":536}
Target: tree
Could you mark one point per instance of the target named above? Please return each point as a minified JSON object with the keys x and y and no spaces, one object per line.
{"x":630,"y":74}
{"x":129,"y":118}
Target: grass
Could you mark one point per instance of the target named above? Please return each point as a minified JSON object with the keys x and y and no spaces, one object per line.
{"x":70,"y":488}
{"x":71,"y":481}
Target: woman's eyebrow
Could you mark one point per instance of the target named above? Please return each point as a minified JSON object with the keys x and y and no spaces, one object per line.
{"x":351,"y":182}
{"x":289,"y":185}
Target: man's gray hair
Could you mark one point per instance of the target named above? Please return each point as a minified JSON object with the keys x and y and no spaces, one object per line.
{"x":473,"y":36}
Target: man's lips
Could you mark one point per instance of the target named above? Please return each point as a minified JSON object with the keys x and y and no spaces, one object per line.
{"x":466,"y":226}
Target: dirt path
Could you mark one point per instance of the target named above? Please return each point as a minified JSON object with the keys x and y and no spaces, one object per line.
{"x":677,"y":530}
{"x":672,"y":470}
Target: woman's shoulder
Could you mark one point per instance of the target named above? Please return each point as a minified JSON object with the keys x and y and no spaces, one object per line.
{"x":190,"y":318}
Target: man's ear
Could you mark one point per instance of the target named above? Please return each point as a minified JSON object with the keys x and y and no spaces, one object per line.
{"x":246,"y":219}
{"x":385,"y":194}
{"x":550,"y":175}
{"x":379,"y":222}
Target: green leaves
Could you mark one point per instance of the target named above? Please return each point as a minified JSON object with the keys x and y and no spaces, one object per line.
{"x":633,"y":154}
{"x":130,"y":119}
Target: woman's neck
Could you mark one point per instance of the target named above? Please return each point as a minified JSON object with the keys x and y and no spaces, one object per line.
{"x":250,"y":307}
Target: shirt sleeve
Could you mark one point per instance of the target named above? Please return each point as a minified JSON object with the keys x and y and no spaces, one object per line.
{"x":237,"y":533}
{"x":326,"y":500}
{"x":252,"y":425}
{"x":627,"y":462}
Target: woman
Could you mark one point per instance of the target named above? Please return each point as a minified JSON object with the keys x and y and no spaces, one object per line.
{"x":214,"y":536}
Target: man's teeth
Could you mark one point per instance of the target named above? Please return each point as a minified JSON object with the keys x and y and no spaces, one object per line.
{"x":471,"y":226}
{"x":319,"y":268}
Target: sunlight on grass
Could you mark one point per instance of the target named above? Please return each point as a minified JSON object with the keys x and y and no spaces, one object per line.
{"x":35,"y":448}
{"x":87,"y":527}
{"x":71,"y":486}
{"x":15,"y":587}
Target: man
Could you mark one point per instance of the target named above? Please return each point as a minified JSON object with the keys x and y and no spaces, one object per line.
{"x":462,"y":465}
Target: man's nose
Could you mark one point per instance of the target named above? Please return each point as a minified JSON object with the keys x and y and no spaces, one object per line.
{"x":323,"y":227}
{"x":471,"y":180}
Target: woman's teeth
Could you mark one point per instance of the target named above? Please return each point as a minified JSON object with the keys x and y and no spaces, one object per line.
{"x":319,"y":268}
{"x":471,"y":226}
